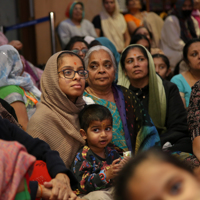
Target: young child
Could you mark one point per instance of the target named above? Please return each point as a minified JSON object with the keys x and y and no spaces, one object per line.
{"x":96,"y":164}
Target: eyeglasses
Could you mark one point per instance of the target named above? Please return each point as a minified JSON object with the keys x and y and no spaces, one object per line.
{"x":84,"y":51}
{"x":69,"y":73}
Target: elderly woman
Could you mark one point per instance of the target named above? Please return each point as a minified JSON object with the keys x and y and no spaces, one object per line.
{"x":16,"y":86}
{"x":111,"y":24}
{"x":160,"y":97}
{"x":75,"y":25}
{"x":178,"y":28}
{"x":132,"y":126}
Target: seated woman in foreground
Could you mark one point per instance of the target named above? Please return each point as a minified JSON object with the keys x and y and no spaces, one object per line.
{"x":160,"y":97}
{"x":16,"y":86}
{"x":185,"y":80}
{"x":174,"y":179}
{"x":132,"y":126}
{"x":193,"y":118}
{"x":56,"y":118}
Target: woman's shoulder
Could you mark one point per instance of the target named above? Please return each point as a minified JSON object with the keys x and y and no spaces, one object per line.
{"x":178,"y":77}
{"x":9,"y":89}
{"x":96,"y":18}
{"x":86,"y":22}
{"x":171,"y":19}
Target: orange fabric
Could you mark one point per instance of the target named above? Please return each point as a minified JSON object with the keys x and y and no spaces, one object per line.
{"x":129,"y":17}
{"x":35,"y":101}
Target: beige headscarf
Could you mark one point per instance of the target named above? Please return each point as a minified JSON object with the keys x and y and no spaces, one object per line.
{"x":157,"y":96}
{"x":114,"y":27}
{"x":56,"y":118}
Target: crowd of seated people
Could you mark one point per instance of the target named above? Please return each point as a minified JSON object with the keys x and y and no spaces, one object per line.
{"x":107,"y":95}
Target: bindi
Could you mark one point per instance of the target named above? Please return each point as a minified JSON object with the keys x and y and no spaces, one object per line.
{"x":134,"y":54}
{"x":75,"y":63}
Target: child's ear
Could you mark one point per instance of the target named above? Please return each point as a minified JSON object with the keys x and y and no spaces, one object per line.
{"x":83,"y":133}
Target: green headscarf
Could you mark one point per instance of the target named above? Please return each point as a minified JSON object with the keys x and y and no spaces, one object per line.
{"x":157,"y":96}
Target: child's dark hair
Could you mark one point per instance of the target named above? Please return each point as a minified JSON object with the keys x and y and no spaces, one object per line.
{"x":138,"y":28}
{"x":138,"y":37}
{"x":93,"y":112}
{"x":129,"y":169}
{"x":164,"y":58}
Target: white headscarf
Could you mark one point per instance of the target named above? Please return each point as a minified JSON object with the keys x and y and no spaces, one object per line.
{"x":11,"y":69}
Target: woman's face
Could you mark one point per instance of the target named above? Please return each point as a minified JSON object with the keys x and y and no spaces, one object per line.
{"x":196,"y":4}
{"x":161,"y":67}
{"x":77,"y":12}
{"x":187,"y":5}
{"x":80,"y":48}
{"x":134,"y":4}
{"x":72,"y":87}
{"x":144,"y":43}
{"x":156,"y":180}
{"x":101,"y":70}
{"x":136,"y":65}
{"x":143,"y":31}
{"x":109,"y":5}
{"x":194,"y":56}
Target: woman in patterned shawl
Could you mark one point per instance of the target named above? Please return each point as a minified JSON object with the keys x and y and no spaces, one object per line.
{"x":133,"y":129}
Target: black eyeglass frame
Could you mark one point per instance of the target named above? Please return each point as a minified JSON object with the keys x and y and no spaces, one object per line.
{"x":75,"y":73}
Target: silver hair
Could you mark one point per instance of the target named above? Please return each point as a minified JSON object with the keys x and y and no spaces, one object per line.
{"x":97,"y":48}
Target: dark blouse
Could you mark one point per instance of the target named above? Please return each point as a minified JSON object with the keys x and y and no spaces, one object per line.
{"x":97,"y":24}
{"x":176,"y":117}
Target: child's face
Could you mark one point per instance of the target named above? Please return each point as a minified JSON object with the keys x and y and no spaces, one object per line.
{"x":99,"y":134}
{"x":155,"y":180}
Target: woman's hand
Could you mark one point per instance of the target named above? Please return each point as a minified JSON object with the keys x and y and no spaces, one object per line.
{"x":60,"y":188}
{"x":17,"y":44}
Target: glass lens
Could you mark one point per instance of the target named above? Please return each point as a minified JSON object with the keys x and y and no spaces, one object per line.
{"x":68,"y":73}
{"x":84,"y":51}
{"x":82,"y":73}
{"x":75,"y":51}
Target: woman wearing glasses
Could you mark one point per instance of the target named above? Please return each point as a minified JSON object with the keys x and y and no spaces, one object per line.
{"x":56,"y":118}
{"x":78,"y":45}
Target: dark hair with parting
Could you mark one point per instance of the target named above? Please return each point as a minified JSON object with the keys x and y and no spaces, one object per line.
{"x":94,"y":43}
{"x":135,"y":31}
{"x":73,"y":40}
{"x":125,"y":52}
{"x":121,"y":181}
{"x":93,"y":112}
{"x":164,"y":58}
{"x":136,"y":38}
{"x":186,"y":47}
{"x":64,"y":53}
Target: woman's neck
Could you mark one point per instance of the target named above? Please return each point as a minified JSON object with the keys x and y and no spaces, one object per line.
{"x":76,"y":22}
{"x":140,"y":83}
{"x":102,"y":93}
{"x":135,"y":12}
{"x":195,"y":74}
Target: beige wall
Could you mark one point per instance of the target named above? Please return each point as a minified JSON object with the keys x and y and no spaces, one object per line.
{"x":42,"y":9}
